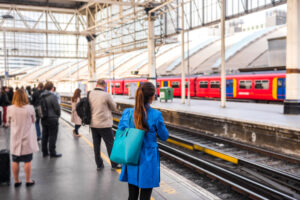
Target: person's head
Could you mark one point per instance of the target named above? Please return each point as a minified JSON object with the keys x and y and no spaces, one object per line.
{"x":145,"y":94}
{"x":28,"y":88}
{"x":40,"y":86}
{"x":49,"y":86}
{"x":6,"y":89}
{"x":101,"y":83}
{"x":76,"y":95}
{"x":20,"y":98}
{"x":3,"y":89}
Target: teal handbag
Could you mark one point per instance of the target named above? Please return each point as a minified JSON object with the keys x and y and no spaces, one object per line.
{"x":127,"y":145}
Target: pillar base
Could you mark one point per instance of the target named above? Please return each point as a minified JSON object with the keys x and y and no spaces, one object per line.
{"x":291,"y":107}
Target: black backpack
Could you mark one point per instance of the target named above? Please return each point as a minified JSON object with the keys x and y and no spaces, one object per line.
{"x":42,"y":107}
{"x":83,"y":110}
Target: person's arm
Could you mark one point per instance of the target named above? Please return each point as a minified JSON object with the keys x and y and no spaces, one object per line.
{"x":161,"y":129}
{"x":32,"y":114}
{"x":111,"y":104}
{"x":55,"y":105}
{"x":124,"y":121}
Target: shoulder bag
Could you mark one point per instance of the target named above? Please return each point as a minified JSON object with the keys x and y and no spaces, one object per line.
{"x":127,"y":145}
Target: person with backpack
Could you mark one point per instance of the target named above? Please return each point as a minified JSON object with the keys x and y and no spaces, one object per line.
{"x":50,"y":113}
{"x":102,"y":105}
{"x":21,"y":117}
{"x":74,"y":116}
{"x":36,"y":102}
{"x":144,"y":176}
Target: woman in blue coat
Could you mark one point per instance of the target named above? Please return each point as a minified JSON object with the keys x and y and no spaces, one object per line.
{"x":146,"y":174}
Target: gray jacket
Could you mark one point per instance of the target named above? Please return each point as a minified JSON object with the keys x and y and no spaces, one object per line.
{"x":52,"y":104}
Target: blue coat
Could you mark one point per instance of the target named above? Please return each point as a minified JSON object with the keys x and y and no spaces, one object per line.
{"x":147,"y":173}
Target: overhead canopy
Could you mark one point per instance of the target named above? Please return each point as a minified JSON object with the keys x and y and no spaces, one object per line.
{"x":71,"y":4}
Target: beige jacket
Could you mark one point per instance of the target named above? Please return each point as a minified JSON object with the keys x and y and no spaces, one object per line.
{"x":102,"y":105}
{"x":22,"y":130}
{"x":74,"y":116}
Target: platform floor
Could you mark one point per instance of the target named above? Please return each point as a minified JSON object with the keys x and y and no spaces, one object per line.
{"x":257,"y":113}
{"x":74,"y":176}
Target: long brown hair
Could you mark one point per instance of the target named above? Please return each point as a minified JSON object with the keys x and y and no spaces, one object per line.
{"x":20,"y":98}
{"x":142,"y":96}
{"x":76,"y":95}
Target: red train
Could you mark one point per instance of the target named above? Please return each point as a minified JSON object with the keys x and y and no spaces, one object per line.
{"x":269,"y":87}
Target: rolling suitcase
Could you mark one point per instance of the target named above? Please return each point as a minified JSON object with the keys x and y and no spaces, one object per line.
{"x":4,"y":167}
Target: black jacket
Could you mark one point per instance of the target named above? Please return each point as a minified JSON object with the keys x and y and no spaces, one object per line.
{"x":52,"y":104}
{"x":4,"y":101}
{"x":36,"y":97}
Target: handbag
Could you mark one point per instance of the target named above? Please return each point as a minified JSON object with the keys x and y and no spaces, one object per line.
{"x":127,"y":145}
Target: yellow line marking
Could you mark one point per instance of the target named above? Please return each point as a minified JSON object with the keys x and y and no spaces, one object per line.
{"x":205,"y":150}
{"x":216,"y":154}
{"x":116,"y":119}
{"x":180,"y":144}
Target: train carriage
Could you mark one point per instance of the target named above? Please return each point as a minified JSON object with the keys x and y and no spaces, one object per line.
{"x":175,"y":83}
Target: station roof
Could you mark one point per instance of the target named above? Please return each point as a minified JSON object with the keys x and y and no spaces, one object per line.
{"x":70,"y":4}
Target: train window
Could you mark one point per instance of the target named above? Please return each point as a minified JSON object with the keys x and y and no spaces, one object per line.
{"x":279,"y":83}
{"x":229,"y":84}
{"x":112,"y":85}
{"x":215,"y":84}
{"x":175,"y":84}
{"x":245,"y":84}
{"x":157,"y":84}
{"x":203,"y":84}
{"x":127,"y":85}
{"x":117,"y":85}
{"x":261,"y":84}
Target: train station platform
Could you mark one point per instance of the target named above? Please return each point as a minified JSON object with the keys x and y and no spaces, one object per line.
{"x":259,"y":124}
{"x":74,"y":175}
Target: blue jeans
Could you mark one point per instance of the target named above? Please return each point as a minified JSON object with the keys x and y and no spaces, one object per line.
{"x":38,"y":129}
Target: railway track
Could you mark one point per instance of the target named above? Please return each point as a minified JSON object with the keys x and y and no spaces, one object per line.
{"x":255,"y":172}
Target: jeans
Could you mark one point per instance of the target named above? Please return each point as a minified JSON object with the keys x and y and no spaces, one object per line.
{"x":107,"y":135}
{"x":134,"y":192}
{"x":38,"y":128}
{"x":77,"y":128}
{"x":50,"y":131}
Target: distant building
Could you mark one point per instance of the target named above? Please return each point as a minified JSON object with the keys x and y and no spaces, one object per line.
{"x":275,"y":17}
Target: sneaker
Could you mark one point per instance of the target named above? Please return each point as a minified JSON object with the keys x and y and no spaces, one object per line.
{"x":100,"y":167}
{"x":118,"y":166}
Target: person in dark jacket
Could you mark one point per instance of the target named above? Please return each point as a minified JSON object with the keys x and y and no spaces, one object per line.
{"x":50,"y":122}
{"x":4,"y":102}
{"x":10,"y":93}
{"x":35,"y":102}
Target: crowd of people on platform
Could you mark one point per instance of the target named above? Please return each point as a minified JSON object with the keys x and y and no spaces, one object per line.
{"x":24,"y":120}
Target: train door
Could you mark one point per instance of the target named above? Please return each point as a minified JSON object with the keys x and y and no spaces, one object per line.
{"x":229,"y":88}
{"x":281,"y":88}
{"x":165,"y":84}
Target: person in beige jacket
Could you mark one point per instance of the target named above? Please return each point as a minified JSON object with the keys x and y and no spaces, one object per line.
{"x":23,"y":140}
{"x":102,"y":105}
{"x":74,"y":116}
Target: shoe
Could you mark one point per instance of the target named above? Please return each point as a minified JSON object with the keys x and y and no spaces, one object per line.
{"x":100,"y":167}
{"x":18,"y":184}
{"x":57,"y":155}
{"x":74,"y":133}
{"x":45,"y":155}
{"x":29,"y":184}
{"x":118,"y":166}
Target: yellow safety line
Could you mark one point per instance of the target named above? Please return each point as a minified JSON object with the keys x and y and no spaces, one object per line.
{"x":205,"y":150}
{"x":180,"y":144}
{"x":216,"y":154}
{"x":102,"y":154}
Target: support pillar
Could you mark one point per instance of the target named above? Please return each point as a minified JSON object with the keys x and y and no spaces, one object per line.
{"x":182,"y":56}
{"x":91,"y":51}
{"x":151,"y":51}
{"x":223,"y":61}
{"x":292,"y":102}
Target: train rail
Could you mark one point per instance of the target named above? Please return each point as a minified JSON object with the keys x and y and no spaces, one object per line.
{"x":256,"y":172}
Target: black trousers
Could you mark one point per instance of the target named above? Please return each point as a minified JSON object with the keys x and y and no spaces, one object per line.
{"x":49,"y":136}
{"x":107,"y":135}
{"x":134,"y":193}
{"x":77,"y":128}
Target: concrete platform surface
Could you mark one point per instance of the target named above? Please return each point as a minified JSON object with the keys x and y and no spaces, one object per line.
{"x":256,"y":113}
{"x":74,"y":176}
